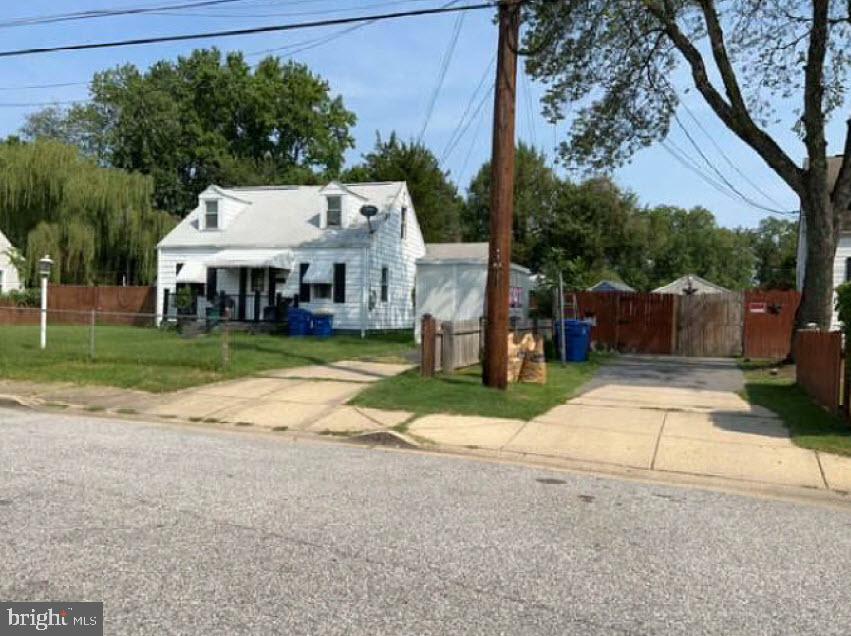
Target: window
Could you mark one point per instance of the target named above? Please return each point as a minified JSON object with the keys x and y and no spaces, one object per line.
{"x":257,"y":280}
{"x":211,"y":215}
{"x":322,"y":291}
{"x":385,"y":280}
{"x":303,"y":289}
{"x":339,"y":282}
{"x":404,"y":222}
{"x":334,"y":217}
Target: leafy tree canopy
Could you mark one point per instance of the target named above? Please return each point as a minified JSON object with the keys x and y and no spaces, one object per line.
{"x":206,"y":118}
{"x":436,"y":198}
{"x":96,"y":223}
{"x":613,"y":65}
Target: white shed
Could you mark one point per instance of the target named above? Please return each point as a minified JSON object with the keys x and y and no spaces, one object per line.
{"x":9,"y":280}
{"x":451,"y":281}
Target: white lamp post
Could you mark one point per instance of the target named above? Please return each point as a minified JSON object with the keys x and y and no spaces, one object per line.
{"x":44,"y":265}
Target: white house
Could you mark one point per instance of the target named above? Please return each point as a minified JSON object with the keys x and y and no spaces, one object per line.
{"x":689,"y":285}
{"x":451,"y":281}
{"x":257,"y":250}
{"x":9,"y":279}
{"x":842,"y":258}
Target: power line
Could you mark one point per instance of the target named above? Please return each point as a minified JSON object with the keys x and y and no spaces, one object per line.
{"x":466,"y":126}
{"x":248,"y":31}
{"x":108,"y":13}
{"x":455,"y":133}
{"x":444,"y":67}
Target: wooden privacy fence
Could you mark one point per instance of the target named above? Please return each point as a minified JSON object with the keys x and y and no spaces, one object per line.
{"x":769,"y":323}
{"x":818,"y":368}
{"x":450,"y":345}
{"x":758,"y":324}
{"x":73,"y":304}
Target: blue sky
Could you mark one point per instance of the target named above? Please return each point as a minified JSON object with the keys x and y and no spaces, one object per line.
{"x":386,"y":73}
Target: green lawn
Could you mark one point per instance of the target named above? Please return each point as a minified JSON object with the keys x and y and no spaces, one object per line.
{"x":158,"y":360}
{"x":810,"y":425}
{"x":464,"y":394}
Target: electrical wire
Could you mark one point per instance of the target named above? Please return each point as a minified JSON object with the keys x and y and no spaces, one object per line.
{"x":475,"y":95}
{"x":276,"y":28}
{"x":444,"y":67}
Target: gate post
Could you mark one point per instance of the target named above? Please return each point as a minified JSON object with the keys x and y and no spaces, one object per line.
{"x":427,"y":351}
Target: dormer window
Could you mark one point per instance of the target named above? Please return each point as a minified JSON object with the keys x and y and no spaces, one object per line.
{"x":211,"y":215}
{"x":334,"y":217}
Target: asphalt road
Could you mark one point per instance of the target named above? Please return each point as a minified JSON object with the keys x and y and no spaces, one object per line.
{"x":190,"y":531}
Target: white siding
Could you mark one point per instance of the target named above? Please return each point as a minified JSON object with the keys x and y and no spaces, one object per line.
{"x":167,"y":260}
{"x":456,"y":291}
{"x":843,"y":251}
{"x":400,"y":256}
{"x":9,"y":280}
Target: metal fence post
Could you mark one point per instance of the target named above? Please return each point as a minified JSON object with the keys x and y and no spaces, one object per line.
{"x":225,"y":339}
{"x":92,"y":334}
{"x":428,"y":344}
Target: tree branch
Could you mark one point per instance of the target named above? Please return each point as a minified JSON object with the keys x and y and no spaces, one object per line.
{"x":734,"y":114}
{"x":813,"y":117}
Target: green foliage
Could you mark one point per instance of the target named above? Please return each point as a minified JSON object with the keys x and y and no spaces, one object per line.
{"x":775,"y":246}
{"x":23,"y":297}
{"x":843,"y":304}
{"x":96,"y":223}
{"x":207,"y":118}
{"x":435,"y":197}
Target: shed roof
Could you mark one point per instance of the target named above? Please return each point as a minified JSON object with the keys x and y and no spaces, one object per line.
{"x":476,"y":253}
{"x":611,"y":285}
{"x":690,"y":281}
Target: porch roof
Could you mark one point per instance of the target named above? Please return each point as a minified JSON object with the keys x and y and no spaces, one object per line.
{"x":192,"y":272}
{"x":280,"y":259}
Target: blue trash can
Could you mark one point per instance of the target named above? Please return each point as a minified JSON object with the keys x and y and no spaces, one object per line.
{"x":299,"y":320}
{"x":323,"y":325}
{"x":578,"y":340}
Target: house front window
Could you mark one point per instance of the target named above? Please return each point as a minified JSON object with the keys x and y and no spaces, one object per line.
{"x":334,"y":217}
{"x":385,"y":283}
{"x":211,"y":215}
{"x":321,"y":292}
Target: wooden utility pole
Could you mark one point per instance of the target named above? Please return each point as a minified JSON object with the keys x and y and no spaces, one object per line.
{"x":495,"y":366}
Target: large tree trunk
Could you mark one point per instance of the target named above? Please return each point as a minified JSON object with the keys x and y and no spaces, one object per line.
{"x":822,"y":235}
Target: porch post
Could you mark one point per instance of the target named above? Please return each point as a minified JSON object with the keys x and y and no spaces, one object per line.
{"x":243,"y":290}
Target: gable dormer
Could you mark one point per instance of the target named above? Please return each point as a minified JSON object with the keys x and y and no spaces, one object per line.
{"x":339,"y":206}
{"x":217,"y":208}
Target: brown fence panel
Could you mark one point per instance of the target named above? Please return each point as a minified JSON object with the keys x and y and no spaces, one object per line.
{"x":710,"y":325}
{"x":769,"y":323}
{"x":634,"y":322}
{"x":818,"y":367}
{"x":113,"y":300}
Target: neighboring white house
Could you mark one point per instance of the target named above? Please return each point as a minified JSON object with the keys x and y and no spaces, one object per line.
{"x":9,"y":279}
{"x":689,"y":285}
{"x":451,"y":281}
{"x":610,"y":286}
{"x":842,"y":258}
{"x":258,"y":249}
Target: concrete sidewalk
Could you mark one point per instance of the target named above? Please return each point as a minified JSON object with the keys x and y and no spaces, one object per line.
{"x":309,"y":398}
{"x":671,"y":415}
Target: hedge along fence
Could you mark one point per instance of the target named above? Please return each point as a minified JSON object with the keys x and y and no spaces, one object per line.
{"x":819,"y":368}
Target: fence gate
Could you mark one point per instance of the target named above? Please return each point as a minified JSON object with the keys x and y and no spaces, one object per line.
{"x":710,"y":325}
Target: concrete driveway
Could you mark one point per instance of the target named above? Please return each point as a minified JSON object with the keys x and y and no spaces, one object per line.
{"x":675,"y":415}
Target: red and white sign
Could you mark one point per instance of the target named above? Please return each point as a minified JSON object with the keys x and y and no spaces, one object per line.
{"x":758,"y":308}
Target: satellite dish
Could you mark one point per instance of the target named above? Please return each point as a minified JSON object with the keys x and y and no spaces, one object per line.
{"x":369,"y":211}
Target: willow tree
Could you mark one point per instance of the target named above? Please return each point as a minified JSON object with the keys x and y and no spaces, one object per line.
{"x":97,"y":224}
{"x":616,"y":62}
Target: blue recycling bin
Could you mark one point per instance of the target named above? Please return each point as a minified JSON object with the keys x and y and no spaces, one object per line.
{"x":577,"y":341}
{"x":323,"y":325}
{"x":299,"y":320}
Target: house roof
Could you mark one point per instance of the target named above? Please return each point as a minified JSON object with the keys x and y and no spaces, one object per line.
{"x":689,"y":281}
{"x":4,"y":242}
{"x":477,"y":253}
{"x":284,"y":216}
{"x":611,"y":285}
